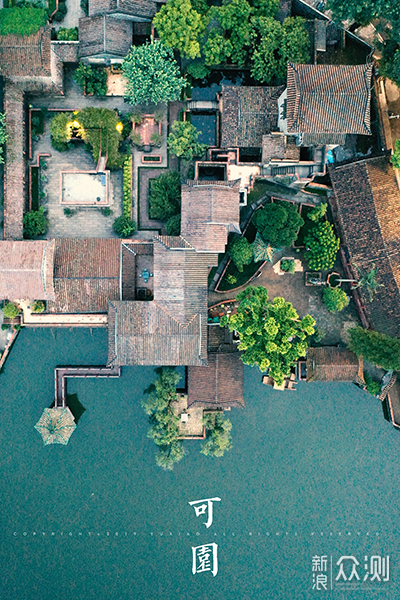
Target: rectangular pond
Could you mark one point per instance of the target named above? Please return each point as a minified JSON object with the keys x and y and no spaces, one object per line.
{"x":312,"y":477}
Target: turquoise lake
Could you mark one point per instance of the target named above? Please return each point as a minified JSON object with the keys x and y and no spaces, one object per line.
{"x":312,"y":473}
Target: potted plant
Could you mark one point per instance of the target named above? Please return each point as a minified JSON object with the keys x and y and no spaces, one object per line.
{"x":287,"y":265}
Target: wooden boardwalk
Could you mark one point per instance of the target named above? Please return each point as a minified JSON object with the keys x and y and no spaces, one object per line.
{"x":62,"y":373}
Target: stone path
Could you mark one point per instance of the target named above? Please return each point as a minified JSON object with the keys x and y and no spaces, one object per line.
{"x":72,"y":17}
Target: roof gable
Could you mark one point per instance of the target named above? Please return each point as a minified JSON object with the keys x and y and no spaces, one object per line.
{"x":329,"y":99}
{"x":333,"y":364}
{"x":104,"y":34}
{"x":26,"y":56}
{"x":220,"y":385}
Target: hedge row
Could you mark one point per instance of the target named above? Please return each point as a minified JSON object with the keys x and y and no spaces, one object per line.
{"x":127,"y":187}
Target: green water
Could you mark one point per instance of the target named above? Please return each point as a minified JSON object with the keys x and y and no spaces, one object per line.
{"x":97,"y":519}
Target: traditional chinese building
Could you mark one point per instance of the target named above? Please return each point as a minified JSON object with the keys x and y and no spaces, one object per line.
{"x":331,"y":363}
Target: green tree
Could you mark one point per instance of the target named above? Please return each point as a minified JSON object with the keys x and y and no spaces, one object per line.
{"x":38,"y":306}
{"x":197,"y":70}
{"x":322,"y":246}
{"x":180,"y":26}
{"x":231,"y":30}
{"x":278,"y":223}
{"x":101,"y":133}
{"x":69,"y":35}
{"x":165,"y":196}
{"x":152,"y":74}
{"x":264,"y":8}
{"x":60,"y":132}
{"x":163,"y":422}
{"x":241,"y":253}
{"x":124,"y":226}
{"x":216,"y":49}
{"x":35,"y":223}
{"x":91,"y":80}
{"x":182,"y":141}
{"x":368,"y":280}
{"x":389,"y":65}
{"x":318,"y":212}
{"x":173,"y":225}
{"x":271,"y":334}
{"x":3,"y":136}
{"x":364,"y":11}
{"x":395,"y":158}
{"x":218,"y":434}
{"x":335,"y":299}
{"x":382,"y":350}
{"x":11,"y":310}
{"x":295,"y":41}
{"x":21,"y":20}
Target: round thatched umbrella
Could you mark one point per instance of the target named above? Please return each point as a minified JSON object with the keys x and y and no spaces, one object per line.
{"x":56,"y":425}
{"x":262,"y":250}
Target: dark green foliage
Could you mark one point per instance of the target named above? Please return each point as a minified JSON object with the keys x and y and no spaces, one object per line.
{"x":4,"y":327}
{"x":91,"y":80}
{"x":287,"y":265}
{"x":318,"y":212}
{"x":107,"y":211}
{"x":100,"y":132}
{"x":180,"y":26}
{"x":69,"y":35}
{"x":85,"y":6}
{"x":182,"y":141}
{"x":241,"y":253}
{"x":278,"y":223}
{"x":61,"y":12}
{"x":173,"y":225}
{"x":368,"y":280}
{"x":229,"y":36}
{"x":271,"y":334}
{"x":373,"y":386}
{"x":35,"y":223}
{"x":322,"y":246}
{"x":11,"y":310}
{"x":60,"y":133}
{"x":124,"y":226}
{"x":364,"y":11}
{"x":395,"y":158}
{"x":127,"y":187}
{"x":69,"y":212}
{"x":156,"y":139}
{"x":335,"y":299}
{"x":164,"y":423}
{"x":197,"y":70}
{"x":218,"y":434}
{"x":21,"y":21}
{"x":3,"y":136}
{"x":382,"y":350}
{"x":389,"y":65}
{"x":165,"y":196}
{"x":152,"y":74}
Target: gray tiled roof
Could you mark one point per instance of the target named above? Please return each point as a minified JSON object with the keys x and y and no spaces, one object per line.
{"x":326,"y":99}
{"x":210,"y":210}
{"x":247,"y":114}
{"x":136,"y":8}
{"x":367,"y":202}
{"x":26,"y":56}
{"x":332,"y":364}
{"x":104,"y":34}
{"x":219,"y":385}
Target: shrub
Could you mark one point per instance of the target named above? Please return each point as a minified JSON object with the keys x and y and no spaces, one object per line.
{"x":106,"y":211}
{"x":173,"y":225}
{"x":182,"y":141}
{"x":395,"y":158}
{"x":218,"y":434}
{"x":197,"y":70}
{"x":124,"y":226}
{"x":241,"y":253}
{"x":321,"y":247}
{"x":127,"y":187}
{"x":3,"y":135}
{"x":165,"y":196}
{"x":378,"y":348}
{"x":85,"y":6}
{"x":136,"y":117}
{"x":17,"y":327}
{"x":287,"y":265}
{"x":60,"y":132}
{"x":231,"y":279}
{"x":68,"y":35}
{"x":4,"y":327}
{"x":11,"y":310}
{"x":136,"y":138}
{"x":21,"y":21}
{"x":278,"y":223}
{"x":69,"y":212}
{"x":373,"y":387}
{"x":35,"y":223}
{"x":335,"y":299}
{"x":91,"y":80}
{"x":38,"y":306}
{"x":156,"y":139}
{"x":159,"y":116}
{"x":318,"y":212}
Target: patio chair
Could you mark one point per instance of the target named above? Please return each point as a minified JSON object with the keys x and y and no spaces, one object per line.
{"x":291,"y":386}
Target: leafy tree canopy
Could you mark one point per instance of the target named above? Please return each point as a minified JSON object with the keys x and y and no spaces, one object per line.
{"x":380,"y":349}
{"x":11,"y":310}
{"x":152,"y":74}
{"x":335,"y":299}
{"x":68,"y":34}
{"x":180,"y":26}
{"x":173,"y":225}
{"x":21,"y":21}
{"x":318,"y":212}
{"x":322,"y":246}
{"x":91,"y":80}
{"x":35,"y":223}
{"x":364,"y":11}
{"x":124,"y":226}
{"x":278,"y":223}
{"x":165,"y":196}
{"x":241,"y":253}
{"x":395,"y":158}
{"x":182,"y":141}
{"x":218,"y":434}
{"x":271,"y":334}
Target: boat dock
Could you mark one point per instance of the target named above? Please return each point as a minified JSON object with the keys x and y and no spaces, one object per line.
{"x":61,"y":375}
